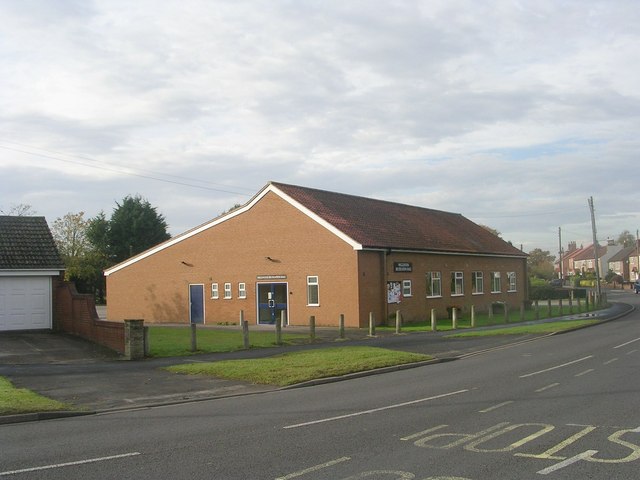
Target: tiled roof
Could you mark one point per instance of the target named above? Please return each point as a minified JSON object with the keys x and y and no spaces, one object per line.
{"x":587,"y":253}
{"x":26,"y":243}
{"x":623,"y":254}
{"x":388,"y":225}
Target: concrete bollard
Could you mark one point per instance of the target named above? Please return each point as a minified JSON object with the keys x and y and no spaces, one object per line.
{"x":398,"y":321}
{"x":473,"y":316}
{"x":312,"y":326}
{"x":506,"y":312}
{"x":434,"y":323}
{"x":341,"y":326}
{"x":279,"y":322}
{"x":454,"y":318}
{"x":372,"y":325}
{"x":537,"y":309}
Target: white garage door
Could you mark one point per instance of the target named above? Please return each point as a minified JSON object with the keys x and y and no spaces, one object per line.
{"x":25,"y":303}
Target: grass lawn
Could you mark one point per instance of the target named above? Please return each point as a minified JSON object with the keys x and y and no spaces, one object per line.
{"x":20,"y":400}
{"x":550,"y":327}
{"x":176,"y":341}
{"x":296,"y":367}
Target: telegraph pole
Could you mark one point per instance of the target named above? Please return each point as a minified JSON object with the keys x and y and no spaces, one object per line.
{"x":595,"y":250}
{"x":560,"y":253}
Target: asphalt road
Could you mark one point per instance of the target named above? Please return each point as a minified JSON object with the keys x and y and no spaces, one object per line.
{"x":560,"y":407}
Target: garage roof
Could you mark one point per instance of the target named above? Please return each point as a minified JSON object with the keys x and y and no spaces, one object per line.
{"x":26,"y":243}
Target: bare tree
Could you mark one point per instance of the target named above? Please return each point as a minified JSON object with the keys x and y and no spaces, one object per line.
{"x":19,"y":210}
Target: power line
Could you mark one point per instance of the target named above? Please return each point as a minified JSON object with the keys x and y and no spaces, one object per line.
{"x":123,"y":170}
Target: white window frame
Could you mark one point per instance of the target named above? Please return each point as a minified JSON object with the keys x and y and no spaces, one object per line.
{"x":513,"y":284}
{"x":313,"y":285}
{"x":227,"y":291}
{"x":406,"y":288}
{"x":434,"y":279}
{"x":215,"y":293}
{"x":242,"y":290}
{"x":477,"y":283}
{"x":457,"y":284}
{"x":496,"y":281}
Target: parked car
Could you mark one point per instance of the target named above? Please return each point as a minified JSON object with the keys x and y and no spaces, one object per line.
{"x":636,"y":286}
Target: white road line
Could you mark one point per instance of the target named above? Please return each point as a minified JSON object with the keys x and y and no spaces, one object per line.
{"x":627,"y":343}
{"x":374,"y":410}
{"x":567,"y":462}
{"x":585,"y":372}
{"x":495,"y":407}
{"x":556,"y":367}
{"x":69,"y":464}
{"x":610,"y":361}
{"x":547,"y":387}
{"x":631,"y":351}
{"x":314,"y":469}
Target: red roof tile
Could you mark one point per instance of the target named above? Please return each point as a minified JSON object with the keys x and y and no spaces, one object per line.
{"x":382,"y":224}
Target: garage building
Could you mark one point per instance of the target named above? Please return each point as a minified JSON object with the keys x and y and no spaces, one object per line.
{"x":29,"y":267}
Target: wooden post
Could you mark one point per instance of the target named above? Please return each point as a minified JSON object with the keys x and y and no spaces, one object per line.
{"x":506,"y":312}
{"x":549,"y":307}
{"x":454,"y":318}
{"x":312,"y":326}
{"x":279,"y":322}
{"x":194,"y":342}
{"x":579,"y":304}
{"x":570,"y":304}
{"x":372,"y":325}
{"x":491,"y":312}
{"x":341,"y":326}
{"x":434,"y":324}
{"x":522,"y":310}
{"x":245,"y":331}
{"x":560,"y":305}
{"x":398,"y":321}
{"x":537,"y":309}
{"x":473,"y":316}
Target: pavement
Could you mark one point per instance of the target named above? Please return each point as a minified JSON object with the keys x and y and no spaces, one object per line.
{"x":95,"y":380}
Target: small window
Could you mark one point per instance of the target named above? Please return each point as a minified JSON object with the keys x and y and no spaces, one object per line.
{"x":227,"y":290}
{"x":406,"y":288}
{"x":512,"y":281}
{"x":434,"y":284}
{"x":214,"y":291}
{"x":495,"y":282}
{"x":477,"y":283}
{"x":457,"y":283}
{"x":313,"y":293}
{"x":242,"y":290}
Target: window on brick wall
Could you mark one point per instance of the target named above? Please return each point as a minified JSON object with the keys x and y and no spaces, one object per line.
{"x":406,"y":288}
{"x":215,"y":294}
{"x":313,"y":291}
{"x":496,"y":287}
{"x":434,"y":284}
{"x":242,"y":290}
{"x":511,"y":276}
{"x":227,"y":290}
{"x":477,"y":283}
{"x":457,"y":283}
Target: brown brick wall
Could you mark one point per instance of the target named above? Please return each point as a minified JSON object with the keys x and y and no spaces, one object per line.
{"x":157,"y":288}
{"x":76,"y":314}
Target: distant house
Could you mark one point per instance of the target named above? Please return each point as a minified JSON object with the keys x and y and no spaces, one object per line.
{"x":585,"y":260}
{"x":619,"y":263}
{"x":29,"y":267}
{"x":305,"y":252}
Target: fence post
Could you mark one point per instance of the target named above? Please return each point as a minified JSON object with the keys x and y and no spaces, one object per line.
{"x":523,"y":307}
{"x":491,"y":312}
{"x":341,"y":326}
{"x":245,"y":331}
{"x":473,"y":316}
{"x":570,"y":304}
{"x":434,"y":325}
{"x":279,"y":322}
{"x":372,"y":325}
{"x":537,"y":308}
{"x":454,"y":318}
{"x":579,"y":304}
{"x":194,"y":340}
{"x":506,"y":312}
{"x":312,"y":326}
{"x":561,"y":307}
{"x":549,"y":308}
{"x":398,"y":321}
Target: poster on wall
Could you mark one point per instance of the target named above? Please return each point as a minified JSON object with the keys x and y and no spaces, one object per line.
{"x":394,"y":292}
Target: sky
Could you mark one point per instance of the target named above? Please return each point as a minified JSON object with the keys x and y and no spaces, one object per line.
{"x":511,"y":113}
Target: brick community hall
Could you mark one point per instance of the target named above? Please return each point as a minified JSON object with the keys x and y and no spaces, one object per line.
{"x":314,"y":252}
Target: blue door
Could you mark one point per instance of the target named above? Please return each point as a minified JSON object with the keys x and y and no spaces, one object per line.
{"x":196,"y":303}
{"x":272,"y":300}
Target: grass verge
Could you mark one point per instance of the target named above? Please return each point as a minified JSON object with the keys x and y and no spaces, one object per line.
{"x":539,"y":328}
{"x":295,"y":367}
{"x":176,"y":341}
{"x":20,"y":400}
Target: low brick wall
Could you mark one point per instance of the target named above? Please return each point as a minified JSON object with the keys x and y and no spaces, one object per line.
{"x":75,"y":313}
